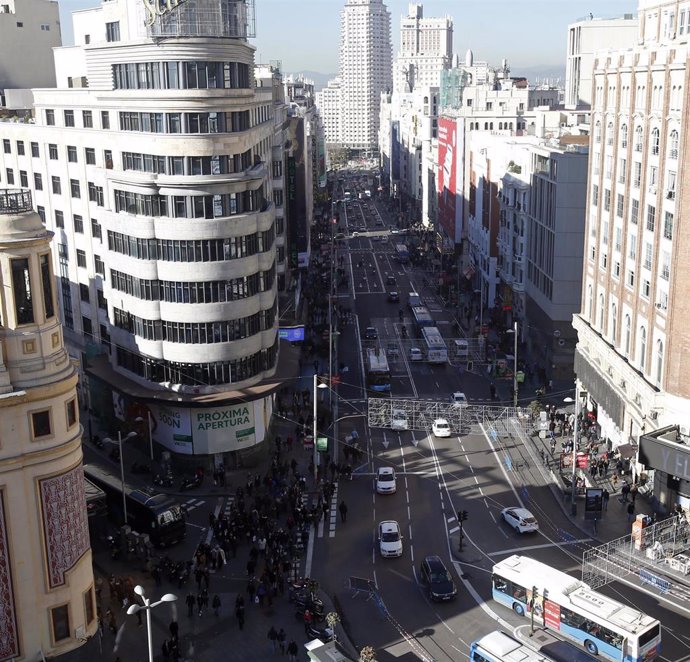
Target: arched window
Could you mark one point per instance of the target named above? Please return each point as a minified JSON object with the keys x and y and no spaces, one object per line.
{"x":601,"y":312}
{"x":426,"y":99}
{"x":659,"y":360}
{"x":643,"y":348}
{"x":627,"y":335}
{"x":614,"y":324}
{"x":510,"y":125}
{"x":638,"y":139}
{"x":500,"y":126}
{"x":597,"y":132}
{"x":655,"y":142}
{"x":486,"y":126}
{"x":624,"y":135}
{"x":673,"y":145}
{"x":491,"y":126}
{"x":609,"y":133}
{"x":590,"y":303}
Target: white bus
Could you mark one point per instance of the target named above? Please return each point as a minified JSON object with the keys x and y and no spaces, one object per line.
{"x":603,"y":626}
{"x":498,"y":646}
{"x":436,"y":350}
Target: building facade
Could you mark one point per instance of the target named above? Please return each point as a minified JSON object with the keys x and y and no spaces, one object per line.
{"x":585,"y":38}
{"x":633,"y":347}
{"x":365,"y":71}
{"x":48,"y":604}
{"x":328,"y":101}
{"x":156,"y":182}
{"x":22,"y":22}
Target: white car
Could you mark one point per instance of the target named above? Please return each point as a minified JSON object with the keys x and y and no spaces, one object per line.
{"x":415,"y":354}
{"x":385,"y":480}
{"x":390,"y":540}
{"x":398,"y":420}
{"x":520,"y":519}
{"x":458,"y":399}
{"x":441,"y":428}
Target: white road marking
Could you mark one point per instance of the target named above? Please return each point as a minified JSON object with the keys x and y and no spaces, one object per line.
{"x":450,"y":519}
{"x":454,"y":529}
{"x":506,"y":552}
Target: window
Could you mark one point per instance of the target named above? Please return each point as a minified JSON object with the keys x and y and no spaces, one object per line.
{"x":10,"y":175}
{"x":71,"y":154}
{"x":597,"y":132}
{"x":96,"y":194}
{"x":90,"y":156}
{"x":619,"y":205}
{"x":670,"y":185}
{"x":638,"y":139}
{"x":99,"y":267}
{"x":23,"y":179}
{"x":59,"y":219}
{"x":108,"y":159}
{"x":659,"y":360}
{"x":50,"y":117}
{"x":673,"y":143}
{"x":595,"y":195}
{"x":665,"y":265}
{"x":52,"y":152}
{"x":57,"y":187}
{"x":278,"y":197}
{"x":84,"y":292}
{"x":71,"y":411}
{"x":607,"y":199}
{"x":47,"y":284}
{"x":81,"y":258}
{"x":34,"y":150}
{"x":96,"y":229}
{"x":105,"y":119}
{"x":87,"y":119}
{"x":59,"y":617}
{"x":601,"y":312}
{"x":643,"y":348}
{"x":648,"y":254}
{"x":112,"y":31}
{"x":654,"y":146}
{"x":6,"y":146}
{"x":75,"y":189}
{"x":668,"y":225}
{"x":78,"y":223}
{"x":20,"y":147}
{"x":651,"y":213}
{"x":86,"y":326}
{"x":38,"y":181}
{"x":645,"y":289}
{"x":624,"y":135}
{"x":89,"y":611}
{"x":21,"y":285}
{"x":614,"y":322}
{"x":637,"y":174}
{"x":69,"y":117}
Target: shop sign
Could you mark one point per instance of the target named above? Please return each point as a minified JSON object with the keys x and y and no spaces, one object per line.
{"x":155,"y":8}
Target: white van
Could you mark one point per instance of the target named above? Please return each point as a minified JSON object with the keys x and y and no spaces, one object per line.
{"x":413,"y":300}
{"x":462,"y":349}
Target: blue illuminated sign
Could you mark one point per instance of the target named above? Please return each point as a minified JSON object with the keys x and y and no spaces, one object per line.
{"x":291,"y":333}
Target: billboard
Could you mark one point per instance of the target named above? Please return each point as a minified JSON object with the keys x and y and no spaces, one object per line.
{"x":447,"y":175}
{"x":395,"y":150}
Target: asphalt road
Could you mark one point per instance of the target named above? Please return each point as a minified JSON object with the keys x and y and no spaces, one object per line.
{"x":436,"y":478}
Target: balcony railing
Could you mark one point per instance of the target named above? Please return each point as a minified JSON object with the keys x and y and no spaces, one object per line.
{"x":15,"y":201}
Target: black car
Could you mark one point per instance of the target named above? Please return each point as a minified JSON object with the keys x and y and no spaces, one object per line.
{"x":390,"y":280}
{"x":438,"y":581}
{"x":371,"y":333}
{"x":393,"y":296}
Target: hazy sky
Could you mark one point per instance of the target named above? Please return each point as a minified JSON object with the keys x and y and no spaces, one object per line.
{"x":304,"y":34}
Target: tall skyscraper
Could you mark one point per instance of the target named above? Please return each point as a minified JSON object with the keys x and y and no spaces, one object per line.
{"x":633,"y":357}
{"x":426,"y":48}
{"x":153,"y":175}
{"x":365,"y":70}
{"x":48,"y":605}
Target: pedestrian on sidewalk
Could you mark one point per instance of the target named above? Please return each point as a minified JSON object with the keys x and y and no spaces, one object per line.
{"x":631,"y":511}
{"x":343,"y":511}
{"x":633,"y":493}
{"x":273,"y":638}
{"x":216,"y":605}
{"x":281,"y":640}
{"x":605,"y":499}
{"x":239,"y":614}
{"x":292,"y":651}
{"x":625,"y":490}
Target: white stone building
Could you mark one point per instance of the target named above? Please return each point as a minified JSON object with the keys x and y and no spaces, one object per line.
{"x":585,"y":38}
{"x":633,"y":351}
{"x":48,"y":605}
{"x":426,"y":48}
{"x":365,"y":71}
{"x":23,"y":23}
{"x":328,"y":101}
{"x":156,"y":182}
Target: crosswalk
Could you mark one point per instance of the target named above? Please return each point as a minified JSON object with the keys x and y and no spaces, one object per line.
{"x":332,"y":517}
{"x":191,"y":504}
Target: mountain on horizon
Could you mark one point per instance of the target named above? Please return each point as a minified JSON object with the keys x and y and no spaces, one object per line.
{"x":320,"y":80}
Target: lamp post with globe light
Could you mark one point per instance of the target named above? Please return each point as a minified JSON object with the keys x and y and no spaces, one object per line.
{"x":148,"y":606}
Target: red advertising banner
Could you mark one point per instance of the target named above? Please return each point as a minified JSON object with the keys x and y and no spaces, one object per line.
{"x":447,"y":174}
{"x":552,"y":615}
{"x":582,"y":461}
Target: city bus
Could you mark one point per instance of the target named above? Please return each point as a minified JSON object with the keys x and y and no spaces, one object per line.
{"x":498,"y":646}
{"x":148,"y":511}
{"x":378,"y":372}
{"x":422,"y":318}
{"x":436,"y":350}
{"x":402,"y":253}
{"x":603,"y":626}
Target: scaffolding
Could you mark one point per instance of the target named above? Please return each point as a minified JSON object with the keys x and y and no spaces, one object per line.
{"x":233,"y":19}
{"x":653,"y":555}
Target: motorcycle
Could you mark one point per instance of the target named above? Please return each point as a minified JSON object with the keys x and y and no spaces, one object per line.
{"x":190,"y":483}
{"x":115,"y":548}
{"x":324,"y":634}
{"x":317,"y":616}
{"x":163,"y":481}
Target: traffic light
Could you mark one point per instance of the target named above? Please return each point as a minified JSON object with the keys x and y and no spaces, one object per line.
{"x":470,"y":365}
{"x":462,"y":515}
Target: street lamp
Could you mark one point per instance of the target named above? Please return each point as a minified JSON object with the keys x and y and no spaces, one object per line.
{"x":149,"y":425}
{"x":148,"y":606}
{"x":573,"y":489}
{"x":316,"y":387}
{"x":119,"y":442}
{"x":514,"y":331}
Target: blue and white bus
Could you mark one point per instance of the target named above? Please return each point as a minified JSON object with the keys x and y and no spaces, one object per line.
{"x":436,"y":350}
{"x":422,"y":318}
{"x":498,"y":646}
{"x":378,"y":372}
{"x":603,"y":626}
{"x":401,"y":253}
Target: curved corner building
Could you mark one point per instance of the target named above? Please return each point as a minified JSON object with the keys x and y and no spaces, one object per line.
{"x":152,"y":157}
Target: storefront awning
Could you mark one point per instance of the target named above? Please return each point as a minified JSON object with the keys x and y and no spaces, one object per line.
{"x":627,"y":451}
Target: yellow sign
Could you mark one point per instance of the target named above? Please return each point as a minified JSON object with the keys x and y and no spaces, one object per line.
{"x":156,"y":8}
